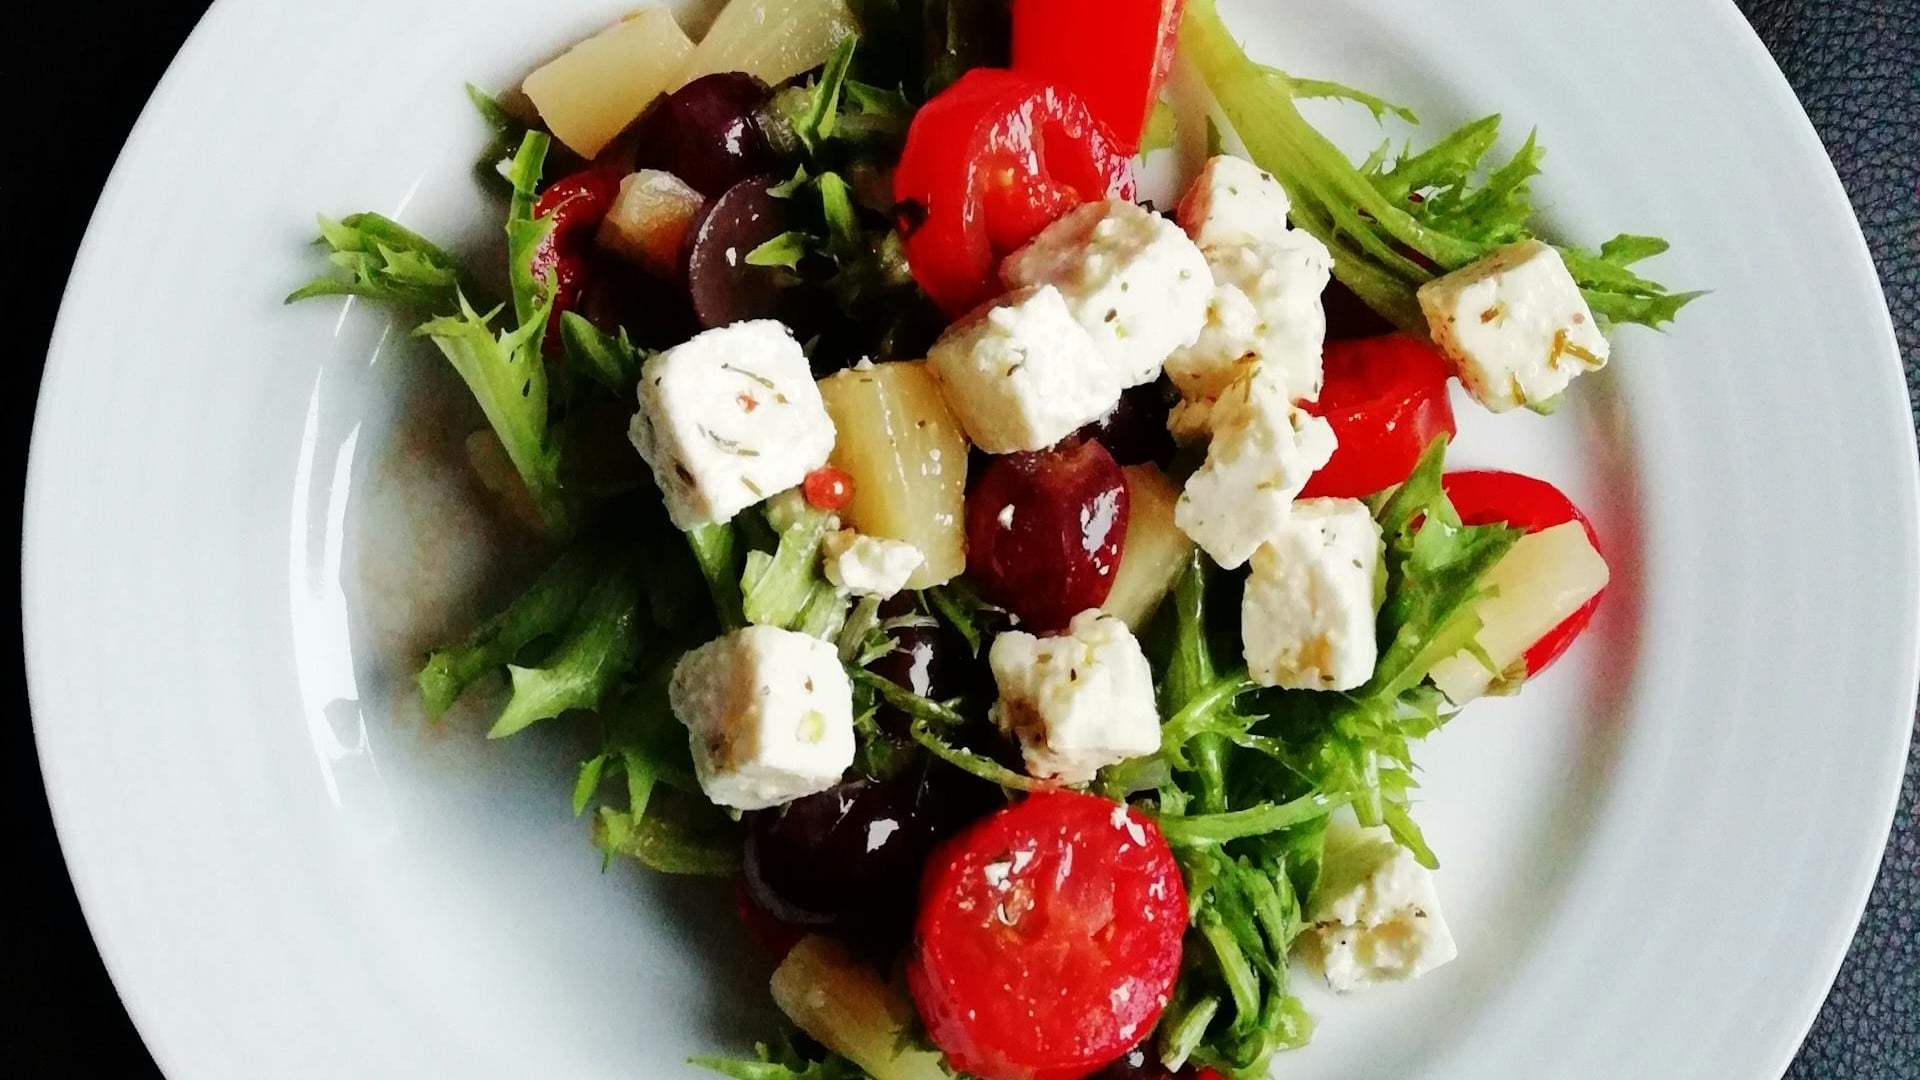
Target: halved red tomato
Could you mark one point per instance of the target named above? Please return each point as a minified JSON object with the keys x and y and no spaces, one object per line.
{"x":989,"y":162}
{"x":1386,"y":400}
{"x":1490,"y":496}
{"x":1114,"y":53}
{"x":1048,"y":938}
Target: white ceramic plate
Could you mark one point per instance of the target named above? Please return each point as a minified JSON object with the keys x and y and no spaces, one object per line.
{"x":244,"y":519}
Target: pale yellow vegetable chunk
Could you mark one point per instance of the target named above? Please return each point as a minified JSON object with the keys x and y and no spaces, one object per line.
{"x":908,"y":460}
{"x":774,"y":39}
{"x":648,"y":221}
{"x":1156,"y":550}
{"x":590,"y":93}
{"x":1546,"y":577}
{"x":848,"y":1008}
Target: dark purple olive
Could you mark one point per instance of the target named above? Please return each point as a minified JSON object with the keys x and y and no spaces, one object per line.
{"x":708,"y":132}
{"x":653,"y":311}
{"x":848,"y":859}
{"x":723,"y":287}
{"x":1349,"y":318}
{"x":1135,"y":430}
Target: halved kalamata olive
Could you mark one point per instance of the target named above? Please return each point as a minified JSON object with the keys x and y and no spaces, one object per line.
{"x":1349,"y":317}
{"x":847,"y":860}
{"x":1135,"y":430}
{"x":653,"y":311}
{"x":1045,"y":531}
{"x":708,"y":132}
{"x":723,"y":287}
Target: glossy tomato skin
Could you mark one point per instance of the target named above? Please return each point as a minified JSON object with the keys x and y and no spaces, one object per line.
{"x":988,"y":163}
{"x":1115,"y":54}
{"x":576,"y":204}
{"x":1048,"y":938}
{"x":1046,"y":531}
{"x":1386,"y":400}
{"x":1490,"y":496}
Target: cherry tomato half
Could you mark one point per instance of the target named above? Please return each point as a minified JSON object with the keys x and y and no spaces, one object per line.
{"x":1114,"y":53}
{"x":577,"y":204}
{"x":1048,"y":938}
{"x":1386,"y":400}
{"x":989,"y":162}
{"x":1489,"y":496}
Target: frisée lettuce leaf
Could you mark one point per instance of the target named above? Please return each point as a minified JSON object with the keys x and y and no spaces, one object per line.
{"x":387,"y":263}
{"x":1393,"y":224}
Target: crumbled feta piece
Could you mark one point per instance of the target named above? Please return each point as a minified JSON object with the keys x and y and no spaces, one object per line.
{"x":1131,"y":278}
{"x":769,"y":715}
{"x":1077,"y":702}
{"x":728,"y":419}
{"x":1233,"y":201}
{"x":1515,"y":325}
{"x":1266,"y":309}
{"x":869,"y":565}
{"x":1307,"y":616}
{"x":1375,"y":915}
{"x":1021,"y":374}
{"x":1262,"y":452}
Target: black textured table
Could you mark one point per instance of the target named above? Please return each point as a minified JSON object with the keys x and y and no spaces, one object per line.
{"x":1855,"y":63}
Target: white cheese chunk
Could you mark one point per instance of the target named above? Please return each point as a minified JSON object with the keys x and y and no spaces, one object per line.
{"x":869,"y":565}
{"x":1233,"y":202}
{"x":728,"y":419}
{"x":1375,"y":915}
{"x":1544,"y":578}
{"x":1307,"y":616}
{"x":1135,"y":282}
{"x":1266,"y":309}
{"x":1262,"y":452}
{"x":769,"y":715}
{"x":1077,"y":702}
{"x":1515,"y":325}
{"x":1021,"y":374}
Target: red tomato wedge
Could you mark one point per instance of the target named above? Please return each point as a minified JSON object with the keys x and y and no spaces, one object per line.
{"x":1489,"y":496}
{"x":1114,"y":53}
{"x":989,"y":162}
{"x":577,"y":204}
{"x":1048,"y":938}
{"x":1386,"y":400}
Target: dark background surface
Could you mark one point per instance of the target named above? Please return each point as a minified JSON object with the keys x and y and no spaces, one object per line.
{"x":1855,"y":64}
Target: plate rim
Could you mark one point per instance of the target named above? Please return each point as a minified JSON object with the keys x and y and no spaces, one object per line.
{"x":1742,"y":37}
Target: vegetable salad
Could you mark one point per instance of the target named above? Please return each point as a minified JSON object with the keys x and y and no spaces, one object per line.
{"x":1029,"y":599}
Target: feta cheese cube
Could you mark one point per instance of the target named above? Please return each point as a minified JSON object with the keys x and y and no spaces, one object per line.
{"x":1232,"y":202}
{"x":1021,"y":374}
{"x":769,"y":716}
{"x":1265,"y":309}
{"x":1131,"y":278}
{"x":869,"y":565}
{"x":1515,"y":325}
{"x":1375,"y":915}
{"x":1307,"y":616}
{"x":1077,"y":702}
{"x":728,"y":419}
{"x":1262,"y":452}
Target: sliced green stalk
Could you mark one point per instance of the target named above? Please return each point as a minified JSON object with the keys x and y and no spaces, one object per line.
{"x":599,"y":649}
{"x":544,"y":609}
